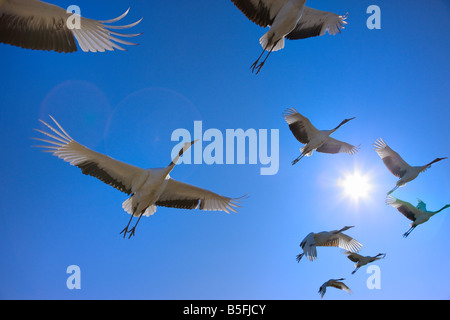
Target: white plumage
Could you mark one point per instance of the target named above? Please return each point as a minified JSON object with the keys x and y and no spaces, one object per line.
{"x":334,"y":283}
{"x":38,"y":25}
{"x":397,"y":166}
{"x":315,"y":139}
{"x":148,"y":187}
{"x":333,"y":238}
{"x":288,"y":19}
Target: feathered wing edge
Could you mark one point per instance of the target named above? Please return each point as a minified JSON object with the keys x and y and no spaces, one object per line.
{"x":258,"y":13}
{"x":392,"y":160}
{"x":43,"y":26}
{"x":308,"y":246}
{"x":59,"y":141}
{"x":185,"y":196}
{"x":97,"y":36}
{"x":343,"y":241}
{"x":117,"y":174}
{"x":300,"y":126}
{"x":342,"y":286}
{"x":315,"y":23}
{"x":332,"y":145}
{"x":405,"y":208}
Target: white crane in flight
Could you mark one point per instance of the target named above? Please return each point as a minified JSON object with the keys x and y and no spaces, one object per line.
{"x":34,"y":24}
{"x":417,"y":215}
{"x":288,"y":19}
{"x":397,"y":166}
{"x":335,"y":238}
{"x":148,"y":188}
{"x":315,"y":139}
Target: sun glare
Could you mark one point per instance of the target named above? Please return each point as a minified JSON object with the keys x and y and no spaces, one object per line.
{"x":355,"y":185}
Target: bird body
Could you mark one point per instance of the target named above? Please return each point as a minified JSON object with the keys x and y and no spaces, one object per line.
{"x":284,"y":22}
{"x":334,"y":283}
{"x":315,"y":139}
{"x":335,"y":238}
{"x":38,"y":25}
{"x":417,"y":215}
{"x":143,"y":200}
{"x":362,"y":260}
{"x":316,"y":142}
{"x":399,"y":167}
{"x":148,"y":187}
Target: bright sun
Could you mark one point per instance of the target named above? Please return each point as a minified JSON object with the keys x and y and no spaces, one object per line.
{"x":355,"y":185}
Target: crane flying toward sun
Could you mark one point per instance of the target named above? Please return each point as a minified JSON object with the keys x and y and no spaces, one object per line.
{"x":313,"y":138}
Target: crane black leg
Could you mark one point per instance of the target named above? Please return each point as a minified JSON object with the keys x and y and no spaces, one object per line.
{"x":255,"y":65}
{"x":406,"y":234}
{"x":298,"y":159}
{"x":395,"y":188}
{"x":125,"y":230}
{"x":132,"y":231}
{"x":262,"y":63}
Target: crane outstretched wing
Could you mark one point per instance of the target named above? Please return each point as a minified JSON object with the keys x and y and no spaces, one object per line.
{"x":261,"y":12}
{"x":185,"y":196}
{"x":309,"y":247}
{"x":405,"y":208}
{"x":353,"y":256}
{"x":340,"y":285}
{"x":120,"y":175}
{"x":323,"y":289}
{"x":332,"y":145}
{"x":43,"y":26}
{"x":342,"y":241}
{"x":300,"y":126}
{"x":316,"y":23}
{"x":396,"y":165}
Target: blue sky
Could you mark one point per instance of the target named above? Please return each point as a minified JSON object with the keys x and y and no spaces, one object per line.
{"x":192,"y":63}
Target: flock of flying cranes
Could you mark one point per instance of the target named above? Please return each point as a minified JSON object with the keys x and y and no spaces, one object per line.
{"x":320,"y":140}
{"x":34,"y":24}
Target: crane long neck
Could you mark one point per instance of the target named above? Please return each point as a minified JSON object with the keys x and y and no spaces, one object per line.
{"x":333,"y":130}
{"x":444,"y":207}
{"x":174,"y":161}
{"x":342,"y":230}
{"x":185,"y":147}
{"x":340,"y":124}
{"x":434,"y":161}
{"x":170,"y":167}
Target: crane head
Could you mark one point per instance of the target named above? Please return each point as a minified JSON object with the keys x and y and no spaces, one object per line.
{"x":435,"y":160}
